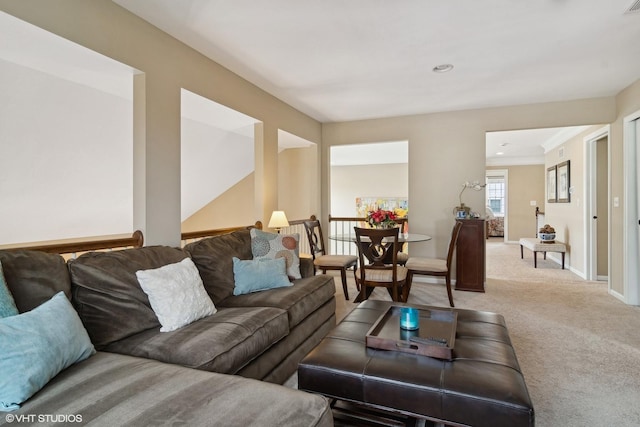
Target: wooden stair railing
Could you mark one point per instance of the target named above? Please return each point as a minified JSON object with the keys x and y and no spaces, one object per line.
{"x":136,"y":240}
{"x":193,"y":235}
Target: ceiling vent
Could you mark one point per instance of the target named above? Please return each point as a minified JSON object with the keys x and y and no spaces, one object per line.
{"x":634,"y":8}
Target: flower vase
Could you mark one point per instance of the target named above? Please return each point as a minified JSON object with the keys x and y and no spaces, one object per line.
{"x":462,"y":211}
{"x":386,"y":225}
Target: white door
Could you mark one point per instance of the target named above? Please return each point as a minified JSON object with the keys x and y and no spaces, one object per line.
{"x":631,"y":208}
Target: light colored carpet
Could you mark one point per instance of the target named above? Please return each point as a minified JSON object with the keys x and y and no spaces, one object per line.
{"x":579,"y":347}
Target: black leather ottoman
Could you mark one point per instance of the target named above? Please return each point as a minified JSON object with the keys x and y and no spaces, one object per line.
{"x":482,"y":386}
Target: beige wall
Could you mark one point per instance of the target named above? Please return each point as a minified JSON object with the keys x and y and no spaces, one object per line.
{"x":525,"y":184}
{"x":236,"y":205}
{"x":298,"y":178}
{"x":569,"y":218}
{"x":447,"y":149}
{"x":232,"y":208}
{"x":627,"y":102}
{"x":168,"y":65}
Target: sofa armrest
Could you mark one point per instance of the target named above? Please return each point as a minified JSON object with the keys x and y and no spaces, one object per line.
{"x":306,"y":266}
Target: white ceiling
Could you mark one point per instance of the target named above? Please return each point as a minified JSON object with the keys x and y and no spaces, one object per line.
{"x":358,"y":59}
{"x":525,"y":147}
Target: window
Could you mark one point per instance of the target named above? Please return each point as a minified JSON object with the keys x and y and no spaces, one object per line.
{"x":496,"y":194}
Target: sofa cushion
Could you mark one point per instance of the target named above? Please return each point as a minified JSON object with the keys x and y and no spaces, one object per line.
{"x":272,"y":246}
{"x":258,"y":275}
{"x":36,"y":346}
{"x":7,"y":304}
{"x":176,"y":294}
{"x":299,"y":300}
{"x":33,"y":277}
{"x":223,"y":342}
{"x":115,"y":390}
{"x":108,"y":296}
{"x":214,"y":258}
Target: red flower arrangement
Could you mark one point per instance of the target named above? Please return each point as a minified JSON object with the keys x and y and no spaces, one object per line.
{"x":381,"y":218}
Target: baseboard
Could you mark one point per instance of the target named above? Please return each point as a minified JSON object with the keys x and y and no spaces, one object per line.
{"x":617,"y":295}
{"x":558,"y":260}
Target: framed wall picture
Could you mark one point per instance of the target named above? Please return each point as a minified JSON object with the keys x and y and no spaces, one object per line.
{"x":564,"y":182}
{"x":551,"y":185}
{"x":366,"y":204}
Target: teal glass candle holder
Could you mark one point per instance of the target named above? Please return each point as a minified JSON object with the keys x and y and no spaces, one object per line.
{"x":409,"y":318}
{"x":406,"y":335}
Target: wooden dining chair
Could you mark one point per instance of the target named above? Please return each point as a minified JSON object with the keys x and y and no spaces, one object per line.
{"x":375,"y":247}
{"x":323,"y":261}
{"x":435,"y":266}
{"x":402,"y":256}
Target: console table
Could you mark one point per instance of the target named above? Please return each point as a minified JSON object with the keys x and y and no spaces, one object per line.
{"x":470,"y":255}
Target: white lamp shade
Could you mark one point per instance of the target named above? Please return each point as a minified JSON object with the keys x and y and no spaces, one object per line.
{"x":278,"y":220}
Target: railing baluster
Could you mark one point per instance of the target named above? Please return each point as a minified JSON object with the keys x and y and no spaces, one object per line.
{"x":344,"y":225}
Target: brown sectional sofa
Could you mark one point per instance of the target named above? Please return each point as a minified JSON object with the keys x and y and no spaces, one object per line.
{"x":141,"y":376}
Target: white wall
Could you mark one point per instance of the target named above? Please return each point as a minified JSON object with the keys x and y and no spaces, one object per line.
{"x":169,"y":66}
{"x":51,"y":132}
{"x":349,"y":182}
{"x":212,"y":161}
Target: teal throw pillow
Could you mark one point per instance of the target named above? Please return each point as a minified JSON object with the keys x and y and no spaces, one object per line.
{"x":259,"y":275}
{"x":271,"y":246}
{"x":35,"y":346}
{"x":7,"y":304}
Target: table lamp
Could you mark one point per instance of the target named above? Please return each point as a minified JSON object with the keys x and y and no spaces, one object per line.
{"x":278,"y":220}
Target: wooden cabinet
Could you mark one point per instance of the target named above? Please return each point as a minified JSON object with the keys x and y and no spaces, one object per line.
{"x":470,"y":256}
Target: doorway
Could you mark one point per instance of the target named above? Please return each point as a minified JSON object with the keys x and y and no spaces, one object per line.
{"x":372,"y":171}
{"x":497,"y":203}
{"x":597,"y":214}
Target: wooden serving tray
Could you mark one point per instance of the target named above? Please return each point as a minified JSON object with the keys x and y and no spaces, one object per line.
{"x":439,"y":325}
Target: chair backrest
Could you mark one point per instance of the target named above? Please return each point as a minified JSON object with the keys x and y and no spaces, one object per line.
{"x":401,"y":223}
{"x":375,"y":246}
{"x":452,"y":243}
{"x":315,"y":237}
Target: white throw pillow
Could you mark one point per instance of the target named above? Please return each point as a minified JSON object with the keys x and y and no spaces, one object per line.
{"x":176,"y":294}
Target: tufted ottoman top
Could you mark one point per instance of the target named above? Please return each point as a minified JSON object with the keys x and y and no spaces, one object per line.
{"x":482,"y":386}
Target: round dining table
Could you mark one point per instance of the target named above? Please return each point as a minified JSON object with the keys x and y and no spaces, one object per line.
{"x":402,"y":237}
